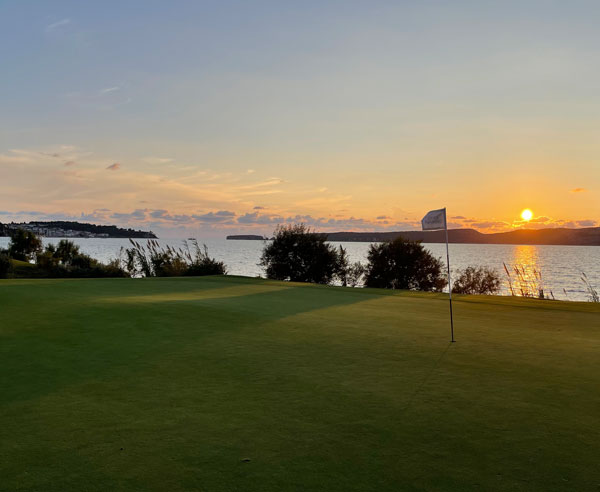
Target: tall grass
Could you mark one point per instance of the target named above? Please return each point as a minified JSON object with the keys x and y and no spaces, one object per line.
{"x":154,"y":260}
{"x":527,"y":282}
{"x":592,"y":292}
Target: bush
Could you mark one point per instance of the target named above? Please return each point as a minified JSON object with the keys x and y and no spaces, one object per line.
{"x":66,"y":261}
{"x":299,"y":255}
{"x":153,"y":260}
{"x":403,"y":264}
{"x":67,"y":253}
{"x":202,"y":264}
{"x":24,"y":245}
{"x":349,"y":274}
{"x":477,"y":280}
{"x":5,"y":265}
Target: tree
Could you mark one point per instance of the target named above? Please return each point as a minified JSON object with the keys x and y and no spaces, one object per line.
{"x":477,"y":280}
{"x":66,"y":251}
{"x":403,"y":264}
{"x":300,"y":255}
{"x":24,"y":245}
{"x":5,"y":265}
{"x":348,"y":274}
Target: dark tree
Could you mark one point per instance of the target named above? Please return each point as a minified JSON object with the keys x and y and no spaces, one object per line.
{"x":348,"y":274}
{"x":5,"y":266}
{"x":403,"y":264}
{"x":300,"y":255}
{"x":24,"y":245}
{"x":66,"y":251}
{"x":477,"y":280}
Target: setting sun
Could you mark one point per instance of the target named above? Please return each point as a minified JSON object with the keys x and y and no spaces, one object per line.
{"x":527,"y":215}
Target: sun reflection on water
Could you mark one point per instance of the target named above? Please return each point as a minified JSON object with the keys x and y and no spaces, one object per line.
{"x":525,"y":273}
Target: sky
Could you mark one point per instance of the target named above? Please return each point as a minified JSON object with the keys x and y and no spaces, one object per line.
{"x":208,"y":118}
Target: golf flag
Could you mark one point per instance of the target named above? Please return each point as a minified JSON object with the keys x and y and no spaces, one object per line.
{"x":433,"y":221}
{"x":436,"y":219}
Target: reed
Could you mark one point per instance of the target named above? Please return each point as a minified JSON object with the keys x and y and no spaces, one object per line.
{"x":527,"y":282}
{"x":592,"y":292}
{"x":154,"y":260}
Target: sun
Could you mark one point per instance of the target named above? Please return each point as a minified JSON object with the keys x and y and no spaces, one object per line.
{"x":526,"y":215}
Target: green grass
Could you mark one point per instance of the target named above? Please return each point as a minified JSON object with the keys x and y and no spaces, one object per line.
{"x":174,"y":384}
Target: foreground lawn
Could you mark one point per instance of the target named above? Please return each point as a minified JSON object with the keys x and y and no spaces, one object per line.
{"x":226,"y":383}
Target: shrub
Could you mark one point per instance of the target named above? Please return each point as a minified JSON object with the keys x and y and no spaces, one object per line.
{"x":24,"y":245}
{"x":153,"y":260}
{"x":403,"y":264}
{"x":201,"y":263}
{"x":356,"y":273}
{"x":477,"y":280}
{"x":300,"y":255}
{"x":67,"y":252}
{"x":349,"y":274}
{"x":5,"y":265}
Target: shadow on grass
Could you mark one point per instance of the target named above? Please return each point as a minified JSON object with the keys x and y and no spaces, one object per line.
{"x":74,"y":342}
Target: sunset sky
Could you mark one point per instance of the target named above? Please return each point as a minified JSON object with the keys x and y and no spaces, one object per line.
{"x":211,"y":118}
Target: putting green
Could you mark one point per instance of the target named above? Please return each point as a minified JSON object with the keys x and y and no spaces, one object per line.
{"x":228,"y":383}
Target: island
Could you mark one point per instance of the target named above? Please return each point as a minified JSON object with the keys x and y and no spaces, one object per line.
{"x":247,"y":237}
{"x":60,"y":228}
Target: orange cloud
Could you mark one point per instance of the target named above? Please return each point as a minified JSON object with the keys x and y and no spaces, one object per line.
{"x":114,"y":167}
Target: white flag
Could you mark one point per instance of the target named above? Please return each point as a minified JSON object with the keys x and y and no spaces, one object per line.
{"x":435,"y":219}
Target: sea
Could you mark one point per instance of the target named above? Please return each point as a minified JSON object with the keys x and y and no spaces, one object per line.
{"x":561,"y":267}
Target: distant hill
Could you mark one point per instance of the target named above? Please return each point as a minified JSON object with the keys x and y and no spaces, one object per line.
{"x":589,"y":236}
{"x":60,"y":228}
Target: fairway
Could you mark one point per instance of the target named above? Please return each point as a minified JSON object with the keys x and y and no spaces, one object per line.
{"x":238,"y":384}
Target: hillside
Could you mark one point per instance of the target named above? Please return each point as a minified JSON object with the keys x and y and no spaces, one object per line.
{"x":589,"y":236}
{"x":74,"y":229}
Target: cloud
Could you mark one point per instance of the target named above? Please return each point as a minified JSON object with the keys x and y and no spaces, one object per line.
{"x":258,"y":208}
{"x":578,"y":190}
{"x":108,"y":98}
{"x":256,"y":218}
{"x":136,"y":215}
{"x":222,"y":216}
{"x":250,"y":171}
{"x":14,"y":159}
{"x":114,"y":167}
{"x":586,"y":223}
{"x":56,"y":25}
{"x":540,"y":220}
{"x":458,"y":217}
{"x":70,"y":163}
{"x":491,"y":224}
{"x":110,"y":89}
{"x":383,"y":217}
{"x":157,"y":160}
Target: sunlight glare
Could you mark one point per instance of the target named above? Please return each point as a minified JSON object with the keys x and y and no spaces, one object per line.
{"x":527,"y":215}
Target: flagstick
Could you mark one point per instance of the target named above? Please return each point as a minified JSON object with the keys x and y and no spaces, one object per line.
{"x":449,"y":280}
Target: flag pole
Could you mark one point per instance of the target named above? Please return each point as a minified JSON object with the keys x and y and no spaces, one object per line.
{"x":449,"y":280}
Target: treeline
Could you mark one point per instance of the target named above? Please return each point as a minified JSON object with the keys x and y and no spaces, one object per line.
{"x":108,"y":230}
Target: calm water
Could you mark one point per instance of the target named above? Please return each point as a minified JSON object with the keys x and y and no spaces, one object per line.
{"x":561,"y":266}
